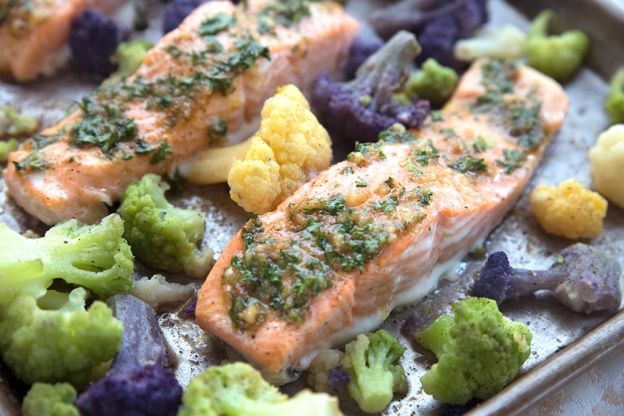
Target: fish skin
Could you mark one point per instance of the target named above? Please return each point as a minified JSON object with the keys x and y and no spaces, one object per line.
{"x":464,"y":209}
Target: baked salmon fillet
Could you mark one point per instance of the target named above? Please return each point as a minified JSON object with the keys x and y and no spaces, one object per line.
{"x":203,"y":85}
{"x":380,"y":229}
{"x":34,"y":33}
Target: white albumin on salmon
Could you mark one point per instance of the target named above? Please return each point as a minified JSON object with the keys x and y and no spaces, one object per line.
{"x":34,"y":34}
{"x":202,"y":85}
{"x":380,"y":229}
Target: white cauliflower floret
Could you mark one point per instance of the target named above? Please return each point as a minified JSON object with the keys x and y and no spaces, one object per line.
{"x":156,"y":291}
{"x":507,"y":42}
{"x":607,"y":162}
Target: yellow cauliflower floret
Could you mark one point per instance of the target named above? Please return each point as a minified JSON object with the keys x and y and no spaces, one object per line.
{"x":570,"y":211}
{"x":289,"y":149}
{"x":607,"y":161}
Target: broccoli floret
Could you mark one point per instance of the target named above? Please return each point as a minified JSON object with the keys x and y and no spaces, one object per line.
{"x":506,"y":42}
{"x":364,"y":45}
{"x":361,"y":109}
{"x":583,"y":278}
{"x":6,"y":147}
{"x":93,"y":39}
{"x":129,"y":57}
{"x":50,"y":400}
{"x":614,"y":103}
{"x":433,"y":82}
{"x":148,"y":390}
{"x":372,"y":360}
{"x":289,"y":148}
{"x":54,"y":338}
{"x":94,"y":256}
{"x":438,"y":25}
{"x":176,"y":11}
{"x":479,"y":351}
{"x":162,"y":236}
{"x":558,"y":56}
{"x":238,"y":389}
{"x":15,"y":124}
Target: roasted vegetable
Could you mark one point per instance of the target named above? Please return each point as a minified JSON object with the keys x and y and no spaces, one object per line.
{"x":147,"y":390}
{"x":479,"y":351}
{"x":571,"y":210}
{"x":93,"y":40}
{"x":289,"y":149}
{"x":162,"y":236}
{"x":6,"y":147}
{"x":438,"y":24}
{"x":94,"y":256}
{"x":326,"y":373}
{"x":364,"y":45}
{"x":55,"y":338}
{"x":607,"y":163}
{"x":16,"y":124}
{"x":583,"y":278}
{"x":143,"y":343}
{"x":237,"y":389}
{"x":359,"y":110}
{"x":614,"y":104}
{"x":559,"y":56}
{"x":157,"y":292}
{"x":372,"y":361}
{"x":176,"y":11}
{"x":506,"y":42}
{"x":128,"y":57}
{"x":433,"y":82}
{"x":50,"y":400}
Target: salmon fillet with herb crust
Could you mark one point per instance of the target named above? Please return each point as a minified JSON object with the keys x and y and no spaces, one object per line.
{"x":34,"y":33}
{"x":380,"y":229}
{"x":202,"y":85}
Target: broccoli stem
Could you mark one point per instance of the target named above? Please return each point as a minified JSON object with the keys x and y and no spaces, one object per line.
{"x":213,"y":165}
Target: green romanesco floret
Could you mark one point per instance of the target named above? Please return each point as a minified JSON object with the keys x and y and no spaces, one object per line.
{"x":376,"y":374}
{"x":433,"y":82}
{"x":479,"y":351}
{"x":94,"y":256}
{"x":56,"y":339}
{"x":50,"y":400}
{"x":558,"y":56}
{"x":162,"y":236}
{"x":238,"y":389}
{"x":129,"y":57}
{"x":15,"y":124}
{"x":614,"y":103}
{"x":6,"y":147}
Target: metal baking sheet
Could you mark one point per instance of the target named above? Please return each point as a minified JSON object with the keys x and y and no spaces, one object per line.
{"x":562,"y":339}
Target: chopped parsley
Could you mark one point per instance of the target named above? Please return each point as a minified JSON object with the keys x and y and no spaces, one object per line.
{"x":387,"y":205}
{"x":361,"y":183}
{"x":286,"y":13}
{"x":216,"y":24}
{"x":163,"y":152}
{"x":34,"y":162}
{"x":481,"y":144}
{"x":424,"y":153}
{"x":424,"y":196}
{"x":512,"y":160}
{"x":466,"y":164}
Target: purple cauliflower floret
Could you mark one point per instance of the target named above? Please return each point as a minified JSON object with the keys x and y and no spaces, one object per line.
{"x":359,"y":110}
{"x":93,"y":40}
{"x":364,"y":45}
{"x":338,"y":378}
{"x":583,"y":278}
{"x":176,"y":11}
{"x":142,"y":391}
{"x":438,"y":25}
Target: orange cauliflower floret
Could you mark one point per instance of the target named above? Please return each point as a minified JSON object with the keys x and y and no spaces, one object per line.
{"x":570,"y":211}
{"x":290,"y":148}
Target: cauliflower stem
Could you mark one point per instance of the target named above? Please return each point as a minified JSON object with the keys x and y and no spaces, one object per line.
{"x":479,"y":351}
{"x":55,"y":338}
{"x":238,"y":389}
{"x":94,"y":256}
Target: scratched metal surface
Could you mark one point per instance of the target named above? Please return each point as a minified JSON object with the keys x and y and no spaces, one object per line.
{"x":554,"y":327}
